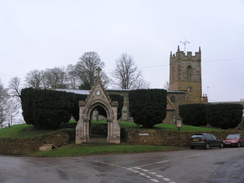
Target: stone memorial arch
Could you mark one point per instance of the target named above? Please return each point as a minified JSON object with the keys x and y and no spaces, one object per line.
{"x":98,"y":98}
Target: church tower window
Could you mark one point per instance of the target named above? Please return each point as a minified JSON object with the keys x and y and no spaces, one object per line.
{"x":172,"y":98}
{"x":189,"y":72}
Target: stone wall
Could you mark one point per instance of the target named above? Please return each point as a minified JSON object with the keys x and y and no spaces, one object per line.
{"x":166,"y":138}
{"x":22,"y":146}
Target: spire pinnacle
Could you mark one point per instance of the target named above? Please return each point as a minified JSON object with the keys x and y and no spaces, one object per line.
{"x":98,"y":72}
{"x":184,"y":43}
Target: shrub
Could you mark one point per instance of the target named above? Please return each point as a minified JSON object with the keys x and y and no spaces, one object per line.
{"x":193,"y":114}
{"x":148,"y":107}
{"x":224,"y":115}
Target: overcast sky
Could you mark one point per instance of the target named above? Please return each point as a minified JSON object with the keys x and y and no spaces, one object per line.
{"x":41,"y":34}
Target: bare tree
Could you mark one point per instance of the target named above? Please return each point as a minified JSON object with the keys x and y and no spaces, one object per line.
{"x":105,"y":79}
{"x":127,"y":74}
{"x":14,"y":87}
{"x":14,"y":101}
{"x":73,"y":79}
{"x":85,"y":69}
{"x":3,"y":102}
{"x":55,"y":78}
{"x":35,"y":79}
{"x":8,"y":106}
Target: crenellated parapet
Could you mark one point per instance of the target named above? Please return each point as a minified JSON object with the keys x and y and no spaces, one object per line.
{"x":181,"y":55}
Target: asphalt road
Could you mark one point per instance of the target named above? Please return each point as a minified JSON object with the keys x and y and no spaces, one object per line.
{"x":186,"y":166}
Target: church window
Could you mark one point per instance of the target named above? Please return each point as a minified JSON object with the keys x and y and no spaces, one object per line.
{"x":172,"y":98}
{"x":189,"y":72}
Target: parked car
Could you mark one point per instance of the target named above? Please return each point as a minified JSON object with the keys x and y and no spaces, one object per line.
{"x":234,"y":140}
{"x":206,"y":140}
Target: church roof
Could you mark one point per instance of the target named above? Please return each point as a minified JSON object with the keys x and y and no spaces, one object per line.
{"x":82,"y":92}
{"x":170,"y":106}
{"x":87,"y":92}
{"x":176,"y":91}
{"x":120,"y":90}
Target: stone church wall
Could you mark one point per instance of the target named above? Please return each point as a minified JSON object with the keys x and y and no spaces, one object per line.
{"x":22,"y":146}
{"x":166,"y":138}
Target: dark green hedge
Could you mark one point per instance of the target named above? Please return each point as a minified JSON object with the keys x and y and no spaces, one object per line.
{"x":221,"y":115}
{"x":224,"y":115}
{"x":48,"y":109}
{"x":148,"y":107}
{"x":193,"y":114}
{"x":45,"y":109}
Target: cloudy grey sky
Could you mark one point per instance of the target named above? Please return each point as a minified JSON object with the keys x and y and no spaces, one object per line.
{"x":41,"y":34}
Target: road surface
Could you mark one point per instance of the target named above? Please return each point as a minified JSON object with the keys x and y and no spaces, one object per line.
{"x":185,"y":166}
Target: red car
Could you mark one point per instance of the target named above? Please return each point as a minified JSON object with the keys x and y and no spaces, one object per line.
{"x":234,"y":140}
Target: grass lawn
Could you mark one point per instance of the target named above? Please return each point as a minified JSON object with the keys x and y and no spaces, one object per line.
{"x":184,"y":128}
{"x":24,"y":130}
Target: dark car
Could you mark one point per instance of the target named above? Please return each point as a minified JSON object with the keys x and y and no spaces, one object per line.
{"x":234,"y":140}
{"x":205,"y":140}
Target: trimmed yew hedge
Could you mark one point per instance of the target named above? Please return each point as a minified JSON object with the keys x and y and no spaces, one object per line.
{"x":221,"y":115}
{"x":45,"y":109}
{"x":224,"y":115}
{"x":148,"y":106}
{"x":193,"y":114}
{"x":48,"y":109}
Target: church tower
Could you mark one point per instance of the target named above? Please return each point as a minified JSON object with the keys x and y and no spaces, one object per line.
{"x":185,"y":75}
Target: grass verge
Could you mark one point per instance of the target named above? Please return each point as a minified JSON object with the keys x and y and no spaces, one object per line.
{"x":90,"y":149}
